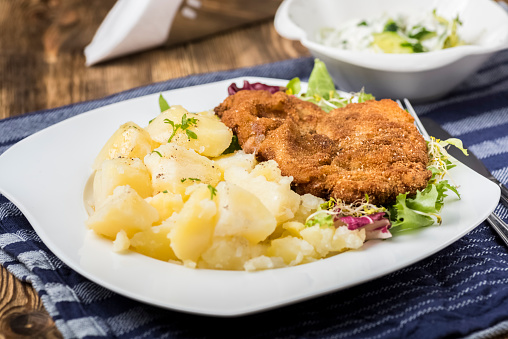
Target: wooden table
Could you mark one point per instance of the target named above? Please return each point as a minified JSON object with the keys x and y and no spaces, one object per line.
{"x":42,"y":66}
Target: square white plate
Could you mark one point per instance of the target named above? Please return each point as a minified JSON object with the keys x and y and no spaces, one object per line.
{"x":45,"y":175}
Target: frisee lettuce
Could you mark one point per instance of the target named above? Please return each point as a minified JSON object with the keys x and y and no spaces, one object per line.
{"x":423,"y":209}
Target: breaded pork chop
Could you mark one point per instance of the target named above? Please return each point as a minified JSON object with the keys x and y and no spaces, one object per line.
{"x":369,"y":148}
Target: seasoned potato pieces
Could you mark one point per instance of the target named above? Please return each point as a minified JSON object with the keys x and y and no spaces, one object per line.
{"x":129,"y":141}
{"x":230,"y":253}
{"x":169,"y":192}
{"x":271,"y":188}
{"x":123,"y":210}
{"x":154,"y":242}
{"x":212,"y":137}
{"x":241,"y":213}
{"x":237,"y":159}
{"x":194,"y":225}
{"x":120,"y":172}
{"x":174,"y":168}
{"x":166,"y":204}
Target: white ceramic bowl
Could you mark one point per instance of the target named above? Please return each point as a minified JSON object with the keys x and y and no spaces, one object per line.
{"x":419,"y":77}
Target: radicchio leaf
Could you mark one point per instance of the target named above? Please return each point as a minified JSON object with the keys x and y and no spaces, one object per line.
{"x":376,"y":225}
{"x":257,"y":86}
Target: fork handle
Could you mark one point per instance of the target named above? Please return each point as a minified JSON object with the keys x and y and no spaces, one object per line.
{"x":499,"y":226}
{"x":504,"y":192}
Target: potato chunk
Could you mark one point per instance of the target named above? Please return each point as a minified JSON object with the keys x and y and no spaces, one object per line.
{"x":166,"y":204}
{"x":129,"y":141}
{"x":194,"y":225}
{"x":241,"y":213}
{"x":120,"y":172}
{"x":213,"y":137}
{"x":124,"y":210}
{"x":236,"y":159}
{"x":154,"y":242}
{"x":291,"y":249}
{"x":271,"y":188}
{"x":174,"y":168}
{"x":229,"y":253}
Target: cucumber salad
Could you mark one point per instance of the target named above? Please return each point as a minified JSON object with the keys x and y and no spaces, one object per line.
{"x":402,"y":33}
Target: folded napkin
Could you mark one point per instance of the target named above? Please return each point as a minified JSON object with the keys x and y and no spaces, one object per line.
{"x":460,"y":291}
{"x":132,"y":26}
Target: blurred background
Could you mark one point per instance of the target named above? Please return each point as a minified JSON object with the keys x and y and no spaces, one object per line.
{"x":41,"y":49}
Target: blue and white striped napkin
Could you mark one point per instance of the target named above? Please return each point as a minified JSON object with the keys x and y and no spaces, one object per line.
{"x":460,"y":291}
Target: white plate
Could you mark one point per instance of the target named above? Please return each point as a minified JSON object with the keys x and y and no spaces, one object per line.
{"x":45,"y":175}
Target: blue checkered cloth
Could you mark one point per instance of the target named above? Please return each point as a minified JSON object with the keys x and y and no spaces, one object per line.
{"x":460,"y":291}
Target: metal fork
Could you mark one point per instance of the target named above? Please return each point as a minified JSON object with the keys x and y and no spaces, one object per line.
{"x":495,"y":221}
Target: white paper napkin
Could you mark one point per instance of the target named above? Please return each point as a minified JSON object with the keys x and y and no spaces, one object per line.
{"x":132,"y":26}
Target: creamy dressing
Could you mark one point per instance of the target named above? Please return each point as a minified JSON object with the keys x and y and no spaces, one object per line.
{"x":431,"y":31}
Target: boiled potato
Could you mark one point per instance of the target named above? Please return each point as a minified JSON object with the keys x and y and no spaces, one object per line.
{"x":166,"y":204}
{"x":291,"y":249}
{"x":242,"y":214}
{"x":229,"y":253}
{"x":154,"y":242}
{"x":330,"y":239}
{"x":212,"y":136}
{"x":121,"y":242}
{"x":194,"y":225}
{"x":120,"y":172}
{"x":124,"y":210}
{"x":263,"y":263}
{"x":266,"y":182}
{"x":236,"y":159}
{"x":129,"y":141}
{"x":174,"y":168}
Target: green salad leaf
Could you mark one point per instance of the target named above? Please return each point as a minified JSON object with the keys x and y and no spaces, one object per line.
{"x":321,"y":90}
{"x":163,"y":104}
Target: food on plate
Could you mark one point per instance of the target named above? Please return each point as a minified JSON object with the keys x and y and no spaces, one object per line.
{"x":182,"y":190}
{"x":363,"y":148}
{"x":401,"y":33}
{"x":181,"y":196}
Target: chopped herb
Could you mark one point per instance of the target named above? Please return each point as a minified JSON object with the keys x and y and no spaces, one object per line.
{"x":151,"y":121}
{"x":391,"y":26}
{"x":191,"y":179}
{"x":191,"y":134}
{"x":233,"y":146}
{"x":363,"y":23}
{"x":184,"y":125}
{"x":160,"y":155}
{"x":163,"y":104}
{"x":165,"y":191}
{"x":213,"y":191}
{"x":421,"y":33}
{"x":417,"y":47}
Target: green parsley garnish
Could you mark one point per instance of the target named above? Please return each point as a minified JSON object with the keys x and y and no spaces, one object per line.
{"x":233,"y":146}
{"x":184,"y":125}
{"x":213,"y":191}
{"x":163,"y":104}
{"x":165,"y":191}
{"x":191,"y":179}
{"x":160,"y":155}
